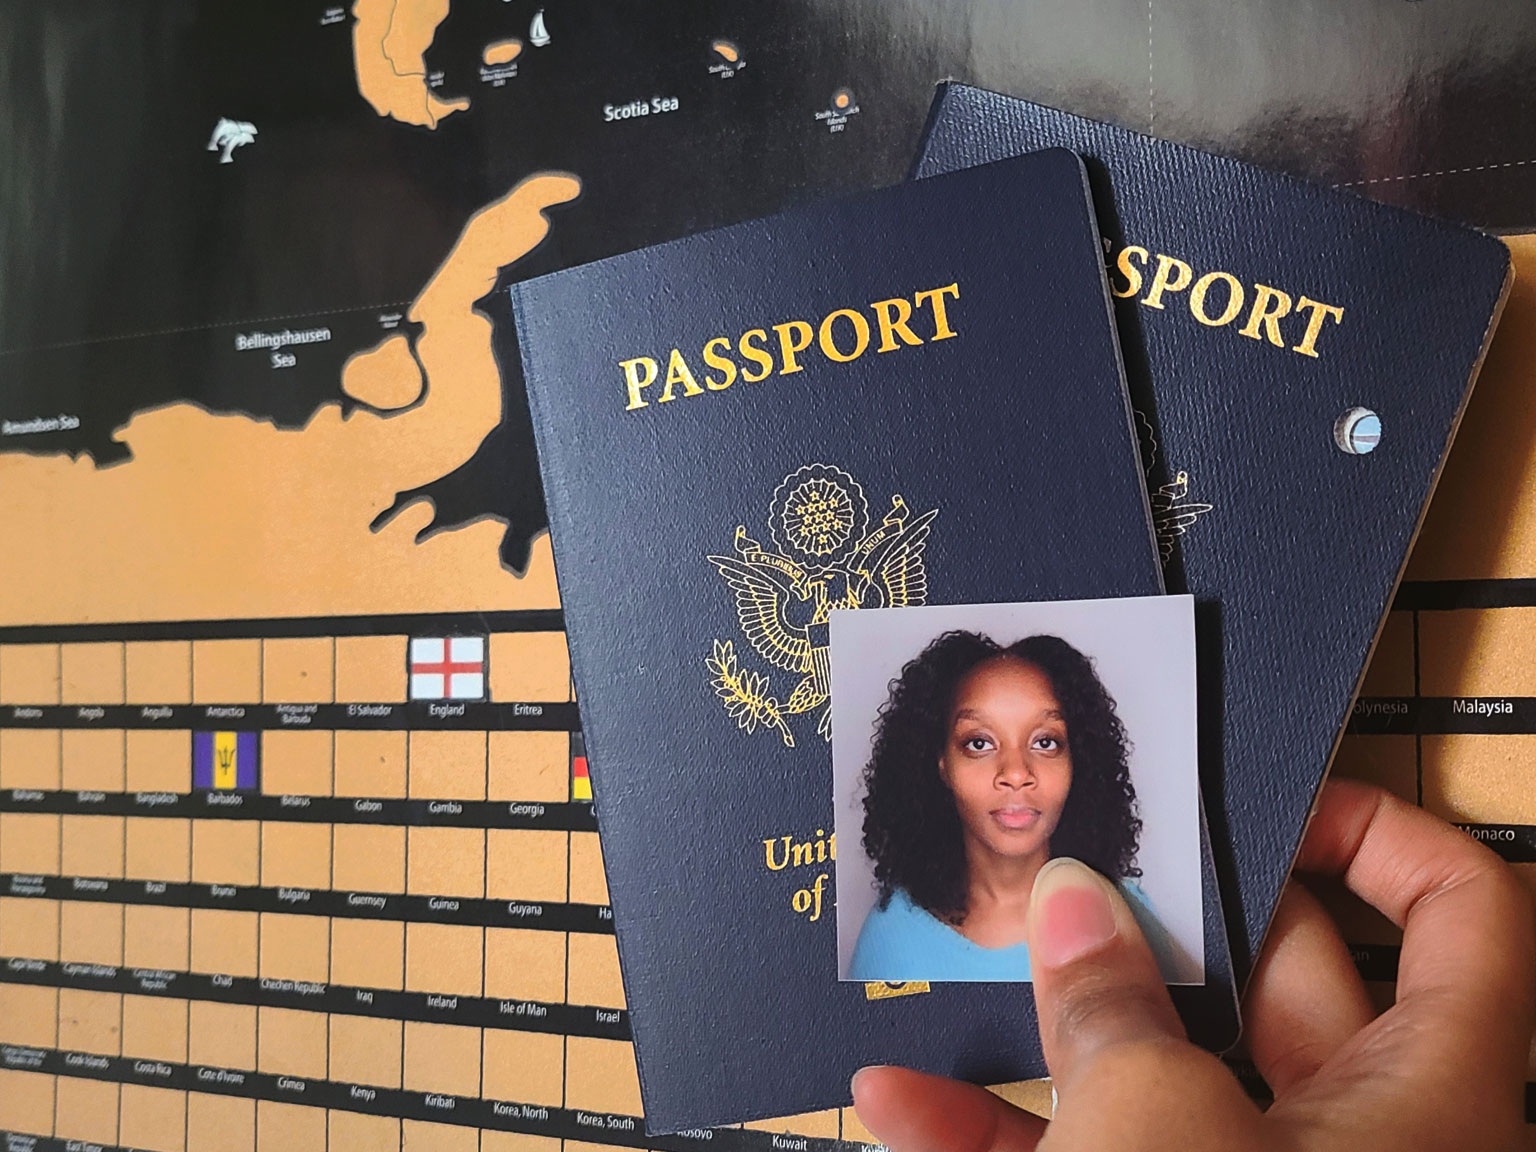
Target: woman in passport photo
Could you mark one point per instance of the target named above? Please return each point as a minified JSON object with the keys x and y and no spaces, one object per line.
{"x":987,"y":760}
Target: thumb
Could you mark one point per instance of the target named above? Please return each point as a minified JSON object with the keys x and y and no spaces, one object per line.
{"x":1097,"y":985}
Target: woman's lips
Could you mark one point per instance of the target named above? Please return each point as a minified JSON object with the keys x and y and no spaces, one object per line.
{"x":1016,"y":818}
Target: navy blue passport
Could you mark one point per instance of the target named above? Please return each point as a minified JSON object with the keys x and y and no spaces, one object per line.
{"x":1299,"y":359}
{"x":910,"y":397}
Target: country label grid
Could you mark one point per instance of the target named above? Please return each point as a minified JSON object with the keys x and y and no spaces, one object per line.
{"x":70,"y":963}
{"x":1445,"y":720}
{"x":1433,"y":724}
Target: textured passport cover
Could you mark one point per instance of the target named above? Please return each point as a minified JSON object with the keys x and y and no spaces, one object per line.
{"x":987,"y":455}
{"x":1291,"y":545}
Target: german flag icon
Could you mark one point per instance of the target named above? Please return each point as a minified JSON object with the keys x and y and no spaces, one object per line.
{"x":581,"y":783}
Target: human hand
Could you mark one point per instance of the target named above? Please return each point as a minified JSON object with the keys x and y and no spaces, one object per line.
{"x":1443,"y":1068}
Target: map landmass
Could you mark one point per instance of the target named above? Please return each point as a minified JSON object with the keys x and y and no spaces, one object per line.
{"x":385,"y":377}
{"x":226,"y":516}
{"x":389,"y":45}
{"x":502,"y":51}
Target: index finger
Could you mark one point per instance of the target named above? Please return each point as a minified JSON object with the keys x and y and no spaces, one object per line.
{"x":1465,"y":977}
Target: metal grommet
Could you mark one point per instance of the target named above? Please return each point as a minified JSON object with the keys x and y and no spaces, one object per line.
{"x":1357,"y":432}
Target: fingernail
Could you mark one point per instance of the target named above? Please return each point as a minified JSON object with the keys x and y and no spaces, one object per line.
{"x":1070,"y":913}
{"x":853,"y":1085}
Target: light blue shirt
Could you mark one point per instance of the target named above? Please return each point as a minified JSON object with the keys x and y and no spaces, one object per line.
{"x":903,"y":941}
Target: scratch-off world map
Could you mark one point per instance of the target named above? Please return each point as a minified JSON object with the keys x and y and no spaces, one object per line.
{"x":297,"y":845}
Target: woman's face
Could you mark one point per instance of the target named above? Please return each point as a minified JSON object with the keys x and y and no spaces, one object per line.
{"x":1005,"y":757}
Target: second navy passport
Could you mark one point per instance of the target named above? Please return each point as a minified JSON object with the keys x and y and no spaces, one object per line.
{"x":1301,"y":357}
{"x":910,"y":397}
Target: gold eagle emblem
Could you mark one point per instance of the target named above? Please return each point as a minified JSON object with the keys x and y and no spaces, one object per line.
{"x":1173,"y":512}
{"x":826,"y":557}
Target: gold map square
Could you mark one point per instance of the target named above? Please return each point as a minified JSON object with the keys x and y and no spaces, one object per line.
{"x":155,"y":1028}
{"x":525,"y":964}
{"x":491,"y":1141}
{"x":93,"y":846}
{"x":92,"y":673}
{"x":157,"y":848}
{"x":589,"y":885}
{"x":447,"y":765}
{"x":220,"y":1123}
{"x":29,"y":843}
{"x":29,"y":673}
{"x":357,"y":1132}
{"x":155,"y":937}
{"x":365,"y":1050}
{"x":222,"y":1035}
{"x":527,"y":1067}
{"x":29,"y":928}
{"x":225,"y":942}
{"x":367,"y":953}
{"x":291,"y":1042}
{"x":526,"y":864}
{"x":30,"y":758}
{"x":594,"y":971}
{"x":158,"y":671}
{"x":152,"y":1118}
{"x":91,"y":1021}
{"x":226,"y":671}
{"x":370,"y":669}
{"x":298,"y":670}
{"x":287,"y":1127}
{"x":530,"y":766}
{"x":295,"y":855}
{"x":295,"y":947}
{"x":368,"y":858}
{"x":1391,"y":668}
{"x":86,"y":1110}
{"x":226,"y":852}
{"x":529,"y":666}
{"x":370,"y":764}
{"x":444,"y":958}
{"x":296,"y":763}
{"x":26,"y":1101}
{"x":442,"y":1058}
{"x":1478,"y":778}
{"x":1388,"y":761}
{"x":93,"y":760}
{"x":1477,"y":653}
{"x":158,"y":761}
{"x":29,"y":1015}
{"x":438,"y":1137}
{"x":90,"y":933}
{"x":600,"y":1076}
{"x":445,"y":861}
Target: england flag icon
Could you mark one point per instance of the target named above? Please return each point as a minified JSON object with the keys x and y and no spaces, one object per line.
{"x":448,"y":668}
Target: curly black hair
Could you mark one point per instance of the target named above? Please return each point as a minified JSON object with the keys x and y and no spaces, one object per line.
{"x":912,"y":827}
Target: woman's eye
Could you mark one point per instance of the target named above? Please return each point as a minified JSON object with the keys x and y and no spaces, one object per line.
{"x":1047,"y":744}
{"x":977,"y":744}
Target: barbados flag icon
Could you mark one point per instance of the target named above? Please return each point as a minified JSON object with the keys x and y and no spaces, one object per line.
{"x":226,"y":761}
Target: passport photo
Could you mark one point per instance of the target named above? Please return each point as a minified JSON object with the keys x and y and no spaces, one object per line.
{"x":973,"y":743}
